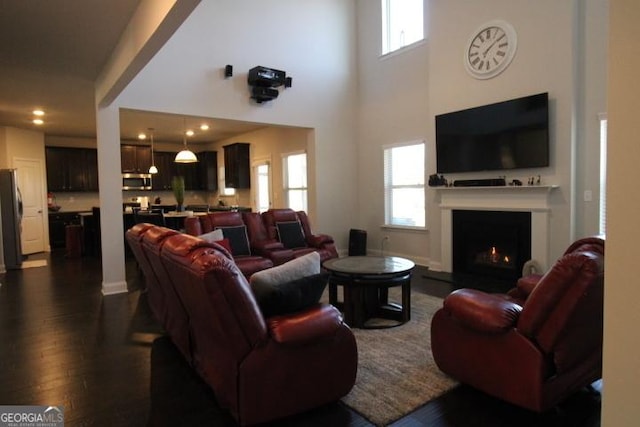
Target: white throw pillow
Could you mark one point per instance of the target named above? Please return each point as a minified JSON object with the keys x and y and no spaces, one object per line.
{"x":298,"y":268}
{"x":212,"y":236}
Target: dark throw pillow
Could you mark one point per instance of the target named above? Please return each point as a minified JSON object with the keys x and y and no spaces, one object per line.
{"x":290,"y":234}
{"x":289,"y":297}
{"x":238,"y":239}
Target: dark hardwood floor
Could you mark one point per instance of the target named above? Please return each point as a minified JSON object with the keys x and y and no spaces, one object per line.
{"x":107,"y":361}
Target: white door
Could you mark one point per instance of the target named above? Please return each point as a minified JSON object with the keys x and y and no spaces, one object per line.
{"x":30,"y":183}
{"x":261,"y":174}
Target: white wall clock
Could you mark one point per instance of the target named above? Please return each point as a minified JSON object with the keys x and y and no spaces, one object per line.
{"x":490,"y":49}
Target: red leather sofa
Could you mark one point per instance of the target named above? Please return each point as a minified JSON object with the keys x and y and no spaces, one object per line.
{"x":265,"y":241}
{"x":535,"y":345}
{"x":260,"y":369}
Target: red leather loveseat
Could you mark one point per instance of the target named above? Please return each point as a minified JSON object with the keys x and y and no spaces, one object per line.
{"x":260,"y":369}
{"x":535,"y":345}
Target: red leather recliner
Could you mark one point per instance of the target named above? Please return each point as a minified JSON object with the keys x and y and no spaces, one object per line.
{"x":260,"y":241}
{"x":321,"y":243}
{"x":261,"y":369}
{"x":533,"y":346}
{"x":172,"y":314}
{"x":201,"y":224}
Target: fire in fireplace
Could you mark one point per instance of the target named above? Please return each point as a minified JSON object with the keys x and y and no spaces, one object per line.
{"x":495,"y":258}
{"x":491,"y":244}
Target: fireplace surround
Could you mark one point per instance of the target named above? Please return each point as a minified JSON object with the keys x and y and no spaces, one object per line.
{"x":533,"y":199}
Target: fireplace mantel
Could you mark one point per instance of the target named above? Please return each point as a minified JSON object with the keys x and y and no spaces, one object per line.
{"x":530,"y":198}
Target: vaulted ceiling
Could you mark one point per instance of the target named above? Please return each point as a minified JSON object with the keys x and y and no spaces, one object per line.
{"x":52,"y":51}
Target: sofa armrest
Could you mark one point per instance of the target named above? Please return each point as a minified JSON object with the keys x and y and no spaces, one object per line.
{"x":480,"y":311}
{"x":318,"y":240}
{"x":192,"y":226}
{"x":319,"y":321}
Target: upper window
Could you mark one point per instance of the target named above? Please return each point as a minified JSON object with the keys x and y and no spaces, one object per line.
{"x":404,"y":185}
{"x":402,"y":24}
{"x":295,"y":181}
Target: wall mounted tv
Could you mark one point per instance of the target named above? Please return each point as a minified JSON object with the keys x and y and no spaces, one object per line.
{"x":512,"y":134}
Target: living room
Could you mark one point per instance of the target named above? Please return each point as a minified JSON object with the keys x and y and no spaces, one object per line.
{"x":342,"y":81}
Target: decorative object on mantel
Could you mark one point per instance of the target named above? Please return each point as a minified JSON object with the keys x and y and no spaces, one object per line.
{"x":186,"y":155}
{"x":436,"y":180}
{"x":177,"y":185}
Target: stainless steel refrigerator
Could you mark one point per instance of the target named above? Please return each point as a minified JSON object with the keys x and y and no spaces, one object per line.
{"x":11,"y":217}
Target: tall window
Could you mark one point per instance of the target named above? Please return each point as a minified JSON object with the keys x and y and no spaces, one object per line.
{"x":603,"y":174}
{"x":402,"y":23}
{"x":295,"y":181}
{"x":404,"y":185}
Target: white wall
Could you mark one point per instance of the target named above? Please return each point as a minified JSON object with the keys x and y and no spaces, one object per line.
{"x":313,"y":41}
{"x":393,"y":101}
{"x":621,"y":339}
{"x":267,"y":144}
{"x":400,"y":95}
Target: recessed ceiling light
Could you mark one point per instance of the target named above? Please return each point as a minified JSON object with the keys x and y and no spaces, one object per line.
{"x":204,"y":126}
{"x":38,"y":122}
{"x":38,"y":113}
{"x":189,"y":132}
{"x":142,"y":136}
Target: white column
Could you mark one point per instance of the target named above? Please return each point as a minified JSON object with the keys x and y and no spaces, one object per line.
{"x":111,"y":220}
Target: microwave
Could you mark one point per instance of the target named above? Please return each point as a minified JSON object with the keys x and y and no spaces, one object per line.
{"x":136,"y":181}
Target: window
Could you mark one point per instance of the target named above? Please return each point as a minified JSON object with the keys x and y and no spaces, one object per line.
{"x":404,"y":185}
{"x":603,"y":175}
{"x":402,"y":23}
{"x":295,"y":181}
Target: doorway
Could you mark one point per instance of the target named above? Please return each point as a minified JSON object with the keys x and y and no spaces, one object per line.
{"x":262,"y":176}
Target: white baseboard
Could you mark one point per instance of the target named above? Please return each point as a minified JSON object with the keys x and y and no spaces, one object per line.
{"x":114,"y":288}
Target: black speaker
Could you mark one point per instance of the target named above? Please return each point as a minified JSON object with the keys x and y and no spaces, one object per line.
{"x":357,"y":242}
{"x":228,"y":71}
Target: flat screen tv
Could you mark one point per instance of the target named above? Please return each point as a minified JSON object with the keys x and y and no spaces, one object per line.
{"x":512,"y":134}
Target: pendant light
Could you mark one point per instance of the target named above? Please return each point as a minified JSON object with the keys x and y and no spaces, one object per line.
{"x":152,"y":169}
{"x":186,"y":155}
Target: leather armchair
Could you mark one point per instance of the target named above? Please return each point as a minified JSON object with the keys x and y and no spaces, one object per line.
{"x":321,"y":243}
{"x":261,"y":369}
{"x":535,"y":345}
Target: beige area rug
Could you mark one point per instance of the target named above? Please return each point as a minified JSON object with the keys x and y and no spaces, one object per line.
{"x":34,"y":263}
{"x":396,"y":371}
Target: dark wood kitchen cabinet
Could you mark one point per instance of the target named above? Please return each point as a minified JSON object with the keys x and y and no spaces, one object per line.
{"x":71,"y":169}
{"x":208,"y":170}
{"x":166,"y":170}
{"x":135,"y":158}
{"x":237,"y":172}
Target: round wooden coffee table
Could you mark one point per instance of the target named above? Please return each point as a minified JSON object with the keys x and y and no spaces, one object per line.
{"x":366,"y":281}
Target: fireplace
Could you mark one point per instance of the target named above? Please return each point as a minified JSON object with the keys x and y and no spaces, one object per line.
{"x":491,"y":244}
